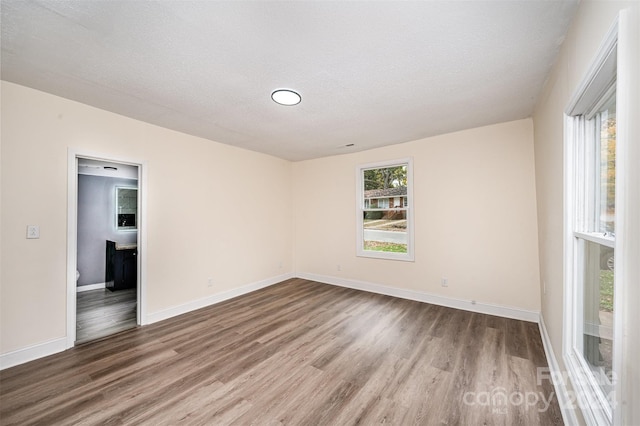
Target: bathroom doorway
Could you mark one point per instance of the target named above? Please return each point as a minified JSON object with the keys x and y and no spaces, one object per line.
{"x":105,"y":224}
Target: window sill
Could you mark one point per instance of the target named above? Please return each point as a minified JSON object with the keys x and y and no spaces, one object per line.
{"x":405,"y":257}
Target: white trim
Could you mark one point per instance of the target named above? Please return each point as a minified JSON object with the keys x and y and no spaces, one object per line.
{"x":562,"y":393}
{"x":583,"y":387}
{"x":597,"y":238}
{"x":383,"y":198}
{"x":627,"y":276}
{"x":385,"y":209}
{"x":578,"y":172}
{"x":596,"y":81}
{"x":72,"y":245}
{"x":420,"y":296}
{"x":30,"y":353}
{"x":72,"y":234}
{"x":89,"y":287}
{"x":40,"y":350}
{"x":216,"y":298}
{"x":568,"y":241}
{"x":143,"y":187}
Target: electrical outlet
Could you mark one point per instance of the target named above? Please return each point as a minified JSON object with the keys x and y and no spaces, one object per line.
{"x":339,"y":268}
{"x":210,"y":282}
{"x":33,"y":231}
{"x":280,"y":265}
{"x":444,"y":282}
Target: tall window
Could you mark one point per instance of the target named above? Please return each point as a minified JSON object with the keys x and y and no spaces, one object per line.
{"x":384,"y":210}
{"x":591,"y":240}
{"x":595,"y":240}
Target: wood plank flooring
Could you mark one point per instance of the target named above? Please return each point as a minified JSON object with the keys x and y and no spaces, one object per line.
{"x":102,"y":312}
{"x":297,"y":353}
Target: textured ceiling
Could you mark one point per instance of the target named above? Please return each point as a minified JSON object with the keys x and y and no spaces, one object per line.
{"x":370,"y":73}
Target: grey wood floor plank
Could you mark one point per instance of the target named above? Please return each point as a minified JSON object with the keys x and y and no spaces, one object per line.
{"x":102,"y":312}
{"x":297,"y":353}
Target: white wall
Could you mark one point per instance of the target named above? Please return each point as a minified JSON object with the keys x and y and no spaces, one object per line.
{"x":237,"y":210}
{"x":474,"y":203}
{"x":475,"y":217}
{"x":587,"y":32}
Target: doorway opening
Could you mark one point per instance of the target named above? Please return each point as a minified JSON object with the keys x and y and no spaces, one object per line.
{"x":104,"y":251}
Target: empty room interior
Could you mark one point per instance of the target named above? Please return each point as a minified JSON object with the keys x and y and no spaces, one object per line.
{"x":320,"y":212}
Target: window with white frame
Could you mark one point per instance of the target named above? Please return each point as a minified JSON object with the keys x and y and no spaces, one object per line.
{"x":590,"y":244}
{"x":384,"y":210}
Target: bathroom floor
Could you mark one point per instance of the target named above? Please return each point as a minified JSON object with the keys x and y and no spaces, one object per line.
{"x":103,"y":312}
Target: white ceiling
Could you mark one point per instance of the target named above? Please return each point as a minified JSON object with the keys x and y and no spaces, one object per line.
{"x":370,"y":73}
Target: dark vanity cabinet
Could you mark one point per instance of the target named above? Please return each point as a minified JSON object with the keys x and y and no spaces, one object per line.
{"x":121,"y":267}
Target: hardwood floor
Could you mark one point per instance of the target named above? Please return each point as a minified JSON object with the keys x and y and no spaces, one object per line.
{"x":295,"y":353}
{"x":102,"y":312}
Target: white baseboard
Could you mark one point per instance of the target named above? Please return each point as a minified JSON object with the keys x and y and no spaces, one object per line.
{"x":419,"y":296}
{"x":88,"y":287}
{"x":58,"y":345}
{"x":215,"y":298}
{"x":41,"y":350}
{"x":30,"y":353}
{"x":564,"y":400}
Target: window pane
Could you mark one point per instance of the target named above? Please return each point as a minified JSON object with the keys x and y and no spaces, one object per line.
{"x":607,"y":168}
{"x":385,"y":186}
{"x":598,"y":312}
{"x":385,"y":222}
{"x":385,"y":230}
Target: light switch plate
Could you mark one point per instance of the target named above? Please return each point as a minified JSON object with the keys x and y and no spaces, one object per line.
{"x":33,"y":231}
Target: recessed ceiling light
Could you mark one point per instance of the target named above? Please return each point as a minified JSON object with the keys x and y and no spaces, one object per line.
{"x":286,"y":97}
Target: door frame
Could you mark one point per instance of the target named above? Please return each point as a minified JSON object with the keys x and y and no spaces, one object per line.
{"x":72,"y":234}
